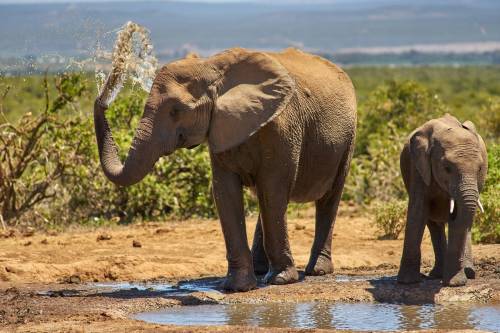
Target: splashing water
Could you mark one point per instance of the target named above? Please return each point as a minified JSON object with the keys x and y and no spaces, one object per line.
{"x":132,"y":57}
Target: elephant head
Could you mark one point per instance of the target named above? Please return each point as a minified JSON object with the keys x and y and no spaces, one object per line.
{"x":223,"y":99}
{"x":453,"y":156}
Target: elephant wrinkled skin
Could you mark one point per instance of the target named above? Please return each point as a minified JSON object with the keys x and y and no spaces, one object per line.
{"x":281,"y":123}
{"x":444,"y":165}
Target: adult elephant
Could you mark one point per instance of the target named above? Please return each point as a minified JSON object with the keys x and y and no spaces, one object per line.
{"x":444,"y":166}
{"x":281,"y":123}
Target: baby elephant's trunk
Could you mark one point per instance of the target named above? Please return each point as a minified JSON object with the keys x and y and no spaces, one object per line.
{"x":466,"y":203}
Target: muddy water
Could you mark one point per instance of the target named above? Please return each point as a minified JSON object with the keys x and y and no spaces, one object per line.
{"x":348,"y":316}
{"x":357,"y":316}
{"x":181,"y":288}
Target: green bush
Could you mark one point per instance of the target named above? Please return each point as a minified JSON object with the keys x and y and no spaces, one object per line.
{"x":395,"y":107}
{"x":390,"y":113}
{"x":60,"y":180}
{"x":35,"y":155}
{"x":390,"y":218}
{"x":486,"y":227}
{"x":489,"y":123}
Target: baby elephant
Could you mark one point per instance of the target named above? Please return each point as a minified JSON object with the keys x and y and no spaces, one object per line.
{"x":444,"y":165}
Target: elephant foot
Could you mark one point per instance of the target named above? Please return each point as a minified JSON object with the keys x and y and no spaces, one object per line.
{"x":240,"y":280}
{"x":435,"y":274}
{"x":286,"y":276}
{"x":322,"y":266}
{"x":457,"y":280}
{"x":470,"y":272}
{"x":407,"y":276}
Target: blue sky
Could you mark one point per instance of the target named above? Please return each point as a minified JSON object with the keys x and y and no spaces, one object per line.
{"x":226,"y":1}
{"x":69,"y":1}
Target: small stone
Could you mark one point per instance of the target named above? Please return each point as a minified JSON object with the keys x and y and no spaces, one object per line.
{"x":299,"y":226}
{"x":136,"y":243}
{"x":44,"y":241}
{"x":74,"y":279}
{"x":9,"y":233}
{"x":10,"y":269}
{"x":163,"y":230}
{"x":29,"y":232}
{"x":113,"y":314}
{"x":103,"y":237}
{"x":28,"y":243}
{"x":208,"y":296}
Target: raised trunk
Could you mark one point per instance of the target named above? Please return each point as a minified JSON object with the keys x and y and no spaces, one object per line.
{"x":141,"y":157}
{"x":466,"y":205}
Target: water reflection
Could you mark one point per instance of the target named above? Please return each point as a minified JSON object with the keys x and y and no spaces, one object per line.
{"x":364,"y":317}
{"x":358,"y":316}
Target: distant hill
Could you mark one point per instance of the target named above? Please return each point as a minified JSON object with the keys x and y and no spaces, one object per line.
{"x":329,"y":27}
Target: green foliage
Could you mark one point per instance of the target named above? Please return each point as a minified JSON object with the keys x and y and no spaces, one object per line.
{"x":486,"y":227}
{"x":390,"y":107}
{"x":390,"y":113}
{"x":390,"y":218}
{"x":489,"y":122}
{"x":396,"y":107}
{"x":463,"y":89}
{"x":35,"y":154}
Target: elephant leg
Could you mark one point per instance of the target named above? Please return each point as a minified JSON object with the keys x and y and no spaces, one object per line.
{"x":409,"y":269}
{"x":228,"y":195}
{"x":438,"y":238}
{"x":260,"y":262}
{"x":273,"y":202}
{"x":320,"y":261}
{"x":470,"y":272}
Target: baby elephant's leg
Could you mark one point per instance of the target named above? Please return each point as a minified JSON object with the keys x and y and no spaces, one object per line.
{"x":438,"y":237}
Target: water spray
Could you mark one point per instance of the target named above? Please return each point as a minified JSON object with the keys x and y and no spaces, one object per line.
{"x":132,"y":57}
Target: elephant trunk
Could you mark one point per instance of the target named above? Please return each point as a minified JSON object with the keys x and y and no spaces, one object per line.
{"x":467,"y":196}
{"x":141,"y":157}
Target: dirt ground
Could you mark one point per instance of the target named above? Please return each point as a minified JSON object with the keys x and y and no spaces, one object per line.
{"x":44,"y":278}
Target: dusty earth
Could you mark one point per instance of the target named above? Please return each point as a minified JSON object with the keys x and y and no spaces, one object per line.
{"x":46,"y":279}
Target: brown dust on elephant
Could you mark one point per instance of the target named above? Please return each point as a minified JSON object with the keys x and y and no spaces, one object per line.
{"x":444,"y":166}
{"x":281,"y":123}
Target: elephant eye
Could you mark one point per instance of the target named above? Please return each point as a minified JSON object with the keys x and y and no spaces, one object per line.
{"x":174,"y":112}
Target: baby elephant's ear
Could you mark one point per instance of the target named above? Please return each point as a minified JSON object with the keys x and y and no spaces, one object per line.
{"x":470,"y":126}
{"x":420,"y":155}
{"x":255,"y":89}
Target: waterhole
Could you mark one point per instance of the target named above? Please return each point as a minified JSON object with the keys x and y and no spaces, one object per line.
{"x":348,"y":316}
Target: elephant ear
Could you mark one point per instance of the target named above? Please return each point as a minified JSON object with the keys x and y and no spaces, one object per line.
{"x":470,"y":126}
{"x":420,"y":155}
{"x":255,"y":88}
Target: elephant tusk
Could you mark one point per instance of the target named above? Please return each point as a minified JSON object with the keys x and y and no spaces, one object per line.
{"x":480,"y":206}
{"x":452,"y":206}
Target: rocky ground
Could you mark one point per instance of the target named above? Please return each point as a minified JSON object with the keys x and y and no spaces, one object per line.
{"x":46,"y":279}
